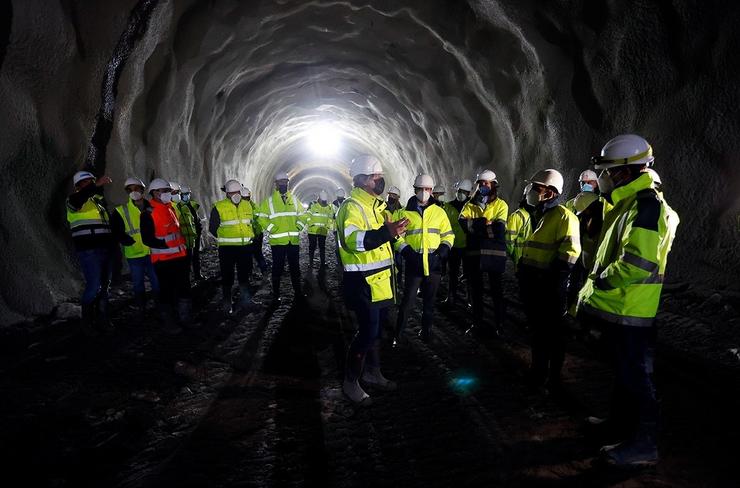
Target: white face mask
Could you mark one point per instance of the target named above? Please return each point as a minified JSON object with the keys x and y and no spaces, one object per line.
{"x":533,"y":197}
{"x":176,"y":198}
{"x":236,"y":198}
{"x":461,"y":196}
{"x":606,"y":183}
{"x":135,"y":195}
{"x":166,"y":197}
{"x":440,"y":198}
{"x":423,"y":196}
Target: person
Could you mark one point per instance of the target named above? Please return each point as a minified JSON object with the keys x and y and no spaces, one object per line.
{"x":438,"y":193}
{"x":320,"y":220}
{"x":672,"y":217}
{"x":339,"y":198}
{"x":93,"y":240}
{"x":589,"y":208}
{"x":548,"y":255}
{"x":192,"y":228}
{"x":483,"y":218}
{"x":622,"y":294}
{"x":257,"y":253}
{"x":518,"y":228}
{"x":588,"y":182}
{"x":160,"y":231}
{"x":231,"y":224}
{"x":393,"y":201}
{"x":424,"y":248}
{"x":125,"y":223}
{"x":365,"y":237}
{"x":281,"y":215}
{"x":453,"y":209}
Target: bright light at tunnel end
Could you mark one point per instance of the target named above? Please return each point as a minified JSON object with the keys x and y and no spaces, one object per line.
{"x":323,"y":140}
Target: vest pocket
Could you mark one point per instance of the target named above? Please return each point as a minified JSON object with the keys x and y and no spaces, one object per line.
{"x":380,"y":286}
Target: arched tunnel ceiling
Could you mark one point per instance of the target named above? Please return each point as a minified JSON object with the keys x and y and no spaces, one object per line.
{"x":217,"y":90}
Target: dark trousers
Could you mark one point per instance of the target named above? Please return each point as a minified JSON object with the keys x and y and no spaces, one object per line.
{"x":549,"y":332}
{"x":174,"y":280}
{"x":577,"y":277}
{"x":96,"y":267}
{"x":280,"y":254}
{"x":454,"y":262}
{"x":315,"y":240}
{"x":365,"y":346}
{"x":140,"y":268}
{"x":257,"y":253}
{"x":195,"y":257}
{"x":428,"y":285}
{"x":475,"y":278}
{"x":230,"y":257}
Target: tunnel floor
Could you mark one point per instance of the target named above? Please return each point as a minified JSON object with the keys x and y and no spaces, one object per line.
{"x":256,"y":401}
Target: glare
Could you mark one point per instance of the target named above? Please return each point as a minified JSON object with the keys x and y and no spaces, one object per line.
{"x":463,"y":384}
{"x":323,"y":140}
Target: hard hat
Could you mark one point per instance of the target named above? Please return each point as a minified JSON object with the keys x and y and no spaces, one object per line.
{"x":245,"y":192}
{"x":82,"y":175}
{"x":134,"y":181}
{"x":588,"y":175}
{"x":232,"y":186}
{"x":655,"y":176}
{"x":423,"y":181}
{"x":282,"y":176}
{"x":438,"y":189}
{"x":486,"y":175}
{"x":175,"y":186}
{"x":365,"y":164}
{"x":340,"y":193}
{"x":323,"y":195}
{"x":465,"y":185}
{"x":184,"y":189}
{"x":550,"y":178}
{"x":394,"y":190}
{"x":159,"y":184}
{"x":583,"y":200}
{"x":624,"y":149}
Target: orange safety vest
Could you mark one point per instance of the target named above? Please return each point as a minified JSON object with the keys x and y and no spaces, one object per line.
{"x":167,"y":228}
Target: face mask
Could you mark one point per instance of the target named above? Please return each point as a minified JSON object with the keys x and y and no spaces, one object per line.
{"x":484,"y":190}
{"x":236,"y":198}
{"x":440,"y":198}
{"x":186,"y":197}
{"x":533,"y":198}
{"x":176,"y":198}
{"x":461,"y":196}
{"x":379,"y":185}
{"x":283,"y":189}
{"x":166,"y":197}
{"x":135,"y":195}
{"x":587,"y":187}
{"x":423,"y":196}
{"x":606,"y":183}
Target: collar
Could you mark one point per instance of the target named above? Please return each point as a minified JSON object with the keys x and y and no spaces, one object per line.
{"x":643,"y":182}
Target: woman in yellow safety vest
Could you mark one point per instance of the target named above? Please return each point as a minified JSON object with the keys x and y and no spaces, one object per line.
{"x":320,"y":220}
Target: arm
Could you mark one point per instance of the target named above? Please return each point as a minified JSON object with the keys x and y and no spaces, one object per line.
{"x":349,"y":225}
{"x":147,"y":232}
{"x":445,"y":232}
{"x":214,"y":222}
{"x":77,"y":199}
{"x":119,"y":229}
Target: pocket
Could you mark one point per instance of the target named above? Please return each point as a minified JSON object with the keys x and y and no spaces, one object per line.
{"x":380,"y":286}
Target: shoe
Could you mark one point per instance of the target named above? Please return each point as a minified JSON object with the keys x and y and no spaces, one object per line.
{"x":355,"y":393}
{"x":639,"y":453}
{"x":375,"y":378}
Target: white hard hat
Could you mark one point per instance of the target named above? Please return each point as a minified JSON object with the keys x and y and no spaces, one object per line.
{"x":439,"y":189}
{"x":245,"y":192}
{"x":622,"y":150}
{"x":654,"y":175}
{"x":588,"y":175}
{"x":394,"y":190}
{"x":550,"y":178}
{"x":82,"y":175}
{"x":175,"y":186}
{"x":486,"y":175}
{"x":583,"y":200}
{"x":184,"y":189}
{"x":423,"y":181}
{"x":323,"y":195}
{"x":282,"y":176}
{"x":465,"y":185}
{"x":365,"y":164}
{"x":159,"y":184}
{"x":134,"y":181}
{"x":340,"y":193}
{"x":232,"y":186}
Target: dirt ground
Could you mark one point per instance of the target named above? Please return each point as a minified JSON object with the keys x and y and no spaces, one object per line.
{"x":256,"y":401}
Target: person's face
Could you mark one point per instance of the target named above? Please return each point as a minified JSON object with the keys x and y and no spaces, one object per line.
{"x":437,"y":195}
{"x":393,"y":197}
{"x":84,"y":183}
{"x":544,"y":192}
{"x":158,"y":193}
{"x":487,"y":184}
{"x":132,"y":188}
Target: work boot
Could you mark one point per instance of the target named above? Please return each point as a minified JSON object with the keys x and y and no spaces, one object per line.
{"x":638,"y":453}
{"x":169,"y":322}
{"x":102,"y":320}
{"x":88,"y":319}
{"x":374,"y":377}
{"x":355,"y":393}
{"x":246,"y":304}
{"x":185,"y":313}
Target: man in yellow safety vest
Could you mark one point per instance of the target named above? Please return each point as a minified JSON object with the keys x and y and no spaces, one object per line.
{"x":320,"y":220}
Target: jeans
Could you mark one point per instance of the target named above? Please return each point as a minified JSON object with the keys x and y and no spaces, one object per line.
{"x":429,"y":285}
{"x":234,"y":256}
{"x":174,"y":280}
{"x":315,"y":240}
{"x":475,"y":278}
{"x":96,"y":267}
{"x":140,"y":268}
{"x":280,"y":254}
{"x":257,"y":253}
{"x":455,"y":260}
{"x":366,"y":342}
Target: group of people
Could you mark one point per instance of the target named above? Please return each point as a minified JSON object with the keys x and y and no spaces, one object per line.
{"x":600,"y":256}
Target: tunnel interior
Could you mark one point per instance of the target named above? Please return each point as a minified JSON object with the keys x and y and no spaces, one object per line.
{"x":199,"y":92}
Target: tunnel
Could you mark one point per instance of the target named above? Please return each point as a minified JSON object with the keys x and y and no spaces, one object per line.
{"x":203,"y":91}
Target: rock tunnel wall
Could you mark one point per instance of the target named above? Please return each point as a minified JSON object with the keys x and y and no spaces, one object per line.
{"x":227,"y":88}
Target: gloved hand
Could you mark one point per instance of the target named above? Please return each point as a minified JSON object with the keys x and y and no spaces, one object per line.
{"x":408,"y":253}
{"x":443,"y":252}
{"x":128,"y":240}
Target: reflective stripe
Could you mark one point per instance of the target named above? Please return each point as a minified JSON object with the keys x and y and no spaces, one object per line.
{"x":169,"y":250}
{"x":134,"y":232}
{"x":402,"y":246}
{"x":492,"y":252}
{"x":369,"y":266}
{"x":619,"y":319}
{"x":448,"y":233}
{"x":100,"y":230}
{"x":546,"y":246}
{"x":127,"y":214}
{"x":283,"y":214}
{"x":264,"y":215}
{"x":78,"y":223}
{"x":317,"y":224}
{"x":653,"y":279}
{"x":284,"y":234}
{"x":568,"y":258}
{"x":350,"y":229}
{"x":236,"y":222}
{"x":362,"y":211}
{"x":419,"y":231}
{"x":641,"y":263}
{"x":360,"y":240}
{"x":245,"y":240}
{"x":171,"y":237}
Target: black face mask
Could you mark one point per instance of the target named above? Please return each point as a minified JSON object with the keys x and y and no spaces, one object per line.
{"x":379,"y":185}
{"x":283,"y":188}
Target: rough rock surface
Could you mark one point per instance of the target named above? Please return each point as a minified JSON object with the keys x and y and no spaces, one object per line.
{"x":224,"y":89}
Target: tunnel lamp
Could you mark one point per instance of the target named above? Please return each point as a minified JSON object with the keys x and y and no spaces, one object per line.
{"x":323,"y":140}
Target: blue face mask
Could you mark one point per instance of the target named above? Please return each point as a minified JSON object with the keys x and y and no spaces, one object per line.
{"x":587,"y":187}
{"x":484,"y":190}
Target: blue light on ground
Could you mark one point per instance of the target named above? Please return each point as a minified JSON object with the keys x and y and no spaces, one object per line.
{"x":463,"y":385}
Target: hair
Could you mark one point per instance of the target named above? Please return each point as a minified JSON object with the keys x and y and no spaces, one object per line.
{"x":359,"y":181}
